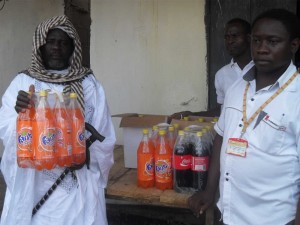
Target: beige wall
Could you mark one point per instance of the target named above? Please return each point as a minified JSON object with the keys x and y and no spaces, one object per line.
{"x":18,"y":20}
{"x":150,"y":55}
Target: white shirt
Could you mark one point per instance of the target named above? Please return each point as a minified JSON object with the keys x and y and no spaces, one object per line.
{"x":226,"y":76}
{"x":72,"y":203}
{"x":262,"y":188}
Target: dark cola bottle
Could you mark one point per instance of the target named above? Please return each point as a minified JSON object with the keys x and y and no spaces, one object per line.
{"x":200,"y":163}
{"x":182,"y":163}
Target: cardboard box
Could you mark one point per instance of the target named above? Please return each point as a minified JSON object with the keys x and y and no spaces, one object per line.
{"x":133,"y":124}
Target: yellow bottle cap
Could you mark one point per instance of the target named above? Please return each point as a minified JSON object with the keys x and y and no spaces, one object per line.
{"x":43,"y":93}
{"x":199,"y":134}
{"x":73,"y":95}
{"x":162,"y":132}
{"x":145,"y":131}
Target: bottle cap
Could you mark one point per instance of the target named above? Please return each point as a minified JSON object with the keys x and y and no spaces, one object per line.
{"x":199,"y":134}
{"x":181,"y":132}
{"x":201,"y":120}
{"x":162,"y":132}
{"x":73,"y":95}
{"x":171,"y":128}
{"x":145,"y":131}
{"x":155,"y":127}
{"x":43,"y":93}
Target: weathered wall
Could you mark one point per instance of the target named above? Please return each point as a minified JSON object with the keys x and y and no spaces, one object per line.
{"x":150,"y":55}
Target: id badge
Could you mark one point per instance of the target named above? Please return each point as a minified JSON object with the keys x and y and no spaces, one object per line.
{"x":237,"y":147}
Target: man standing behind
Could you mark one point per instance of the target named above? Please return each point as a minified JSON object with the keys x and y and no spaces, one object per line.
{"x":237,"y":42}
{"x":256,"y":152}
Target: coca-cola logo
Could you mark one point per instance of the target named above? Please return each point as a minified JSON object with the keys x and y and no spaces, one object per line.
{"x":185,"y":162}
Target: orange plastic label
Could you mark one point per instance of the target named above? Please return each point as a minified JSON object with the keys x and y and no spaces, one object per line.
{"x":163,"y":170}
{"x":145,"y":167}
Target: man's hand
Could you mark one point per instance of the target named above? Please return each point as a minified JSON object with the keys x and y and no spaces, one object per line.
{"x":200,"y":202}
{"x":24,"y":100}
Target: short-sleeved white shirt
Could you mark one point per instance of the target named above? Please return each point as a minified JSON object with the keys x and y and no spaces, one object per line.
{"x":226,"y":76}
{"x":264,"y":187}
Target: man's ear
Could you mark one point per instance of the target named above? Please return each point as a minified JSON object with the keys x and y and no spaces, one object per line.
{"x":295,"y":43}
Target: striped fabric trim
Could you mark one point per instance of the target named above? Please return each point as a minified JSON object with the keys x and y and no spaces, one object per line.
{"x":73,"y":80}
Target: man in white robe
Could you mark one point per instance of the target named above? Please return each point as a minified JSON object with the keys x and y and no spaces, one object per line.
{"x":79,"y":199}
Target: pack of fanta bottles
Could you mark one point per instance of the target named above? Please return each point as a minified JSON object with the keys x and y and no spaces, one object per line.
{"x":49,"y":136}
{"x":154,"y":158}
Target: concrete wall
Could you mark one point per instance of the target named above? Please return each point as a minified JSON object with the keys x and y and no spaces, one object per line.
{"x":18,"y":20}
{"x":150,"y":55}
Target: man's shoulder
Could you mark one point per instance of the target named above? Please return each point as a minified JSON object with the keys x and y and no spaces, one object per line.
{"x":225,"y":69}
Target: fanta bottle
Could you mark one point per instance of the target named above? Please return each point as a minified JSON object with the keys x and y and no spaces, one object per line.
{"x":171,"y":137}
{"x":163,"y":163}
{"x":24,"y":138}
{"x":63,"y":145}
{"x":43,"y":134}
{"x":145,"y":161}
{"x":78,"y":128}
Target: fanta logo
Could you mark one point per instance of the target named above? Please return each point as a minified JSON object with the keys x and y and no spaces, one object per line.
{"x":47,"y":139}
{"x":149,"y":167}
{"x":25,"y":137}
{"x":80,"y":137}
{"x":162,"y":167}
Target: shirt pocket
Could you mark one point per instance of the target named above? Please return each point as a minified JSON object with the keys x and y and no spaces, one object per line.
{"x":269,"y":134}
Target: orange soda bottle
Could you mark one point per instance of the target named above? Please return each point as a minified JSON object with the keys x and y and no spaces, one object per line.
{"x":24,"y":137}
{"x":171,"y":137}
{"x":63,"y":145}
{"x":163,"y":163}
{"x":43,"y":126}
{"x":78,"y":129}
{"x":145,"y":161}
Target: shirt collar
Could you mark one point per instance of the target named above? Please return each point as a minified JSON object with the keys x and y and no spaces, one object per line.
{"x":250,"y":76}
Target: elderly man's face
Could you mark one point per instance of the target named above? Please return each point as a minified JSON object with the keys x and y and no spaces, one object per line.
{"x":57,"y":50}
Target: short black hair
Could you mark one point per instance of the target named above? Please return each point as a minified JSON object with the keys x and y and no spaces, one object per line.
{"x":245,"y":24}
{"x":288,"y":19}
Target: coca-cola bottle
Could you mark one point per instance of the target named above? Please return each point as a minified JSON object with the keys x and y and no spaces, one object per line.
{"x":182,"y":163}
{"x":200,"y":163}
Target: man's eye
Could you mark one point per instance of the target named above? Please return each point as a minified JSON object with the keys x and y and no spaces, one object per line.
{"x":49,"y":41}
{"x":273,"y":42}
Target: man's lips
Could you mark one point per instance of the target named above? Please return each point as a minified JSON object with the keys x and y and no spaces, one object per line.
{"x":261,"y":61}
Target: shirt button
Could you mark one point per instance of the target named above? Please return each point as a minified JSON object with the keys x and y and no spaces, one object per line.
{"x":252,"y":99}
{"x":227,"y":179}
{"x":240,"y":125}
{"x":227,"y":174}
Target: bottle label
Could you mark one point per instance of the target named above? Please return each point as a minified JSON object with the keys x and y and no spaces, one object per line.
{"x":47,"y":139}
{"x":163,"y":170}
{"x":182,"y":162}
{"x":24,"y":138}
{"x":145,"y":167}
{"x":200,"y":164}
{"x":80,"y":137}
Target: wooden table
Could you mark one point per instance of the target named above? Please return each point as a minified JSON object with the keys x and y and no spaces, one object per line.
{"x":122,"y":186}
